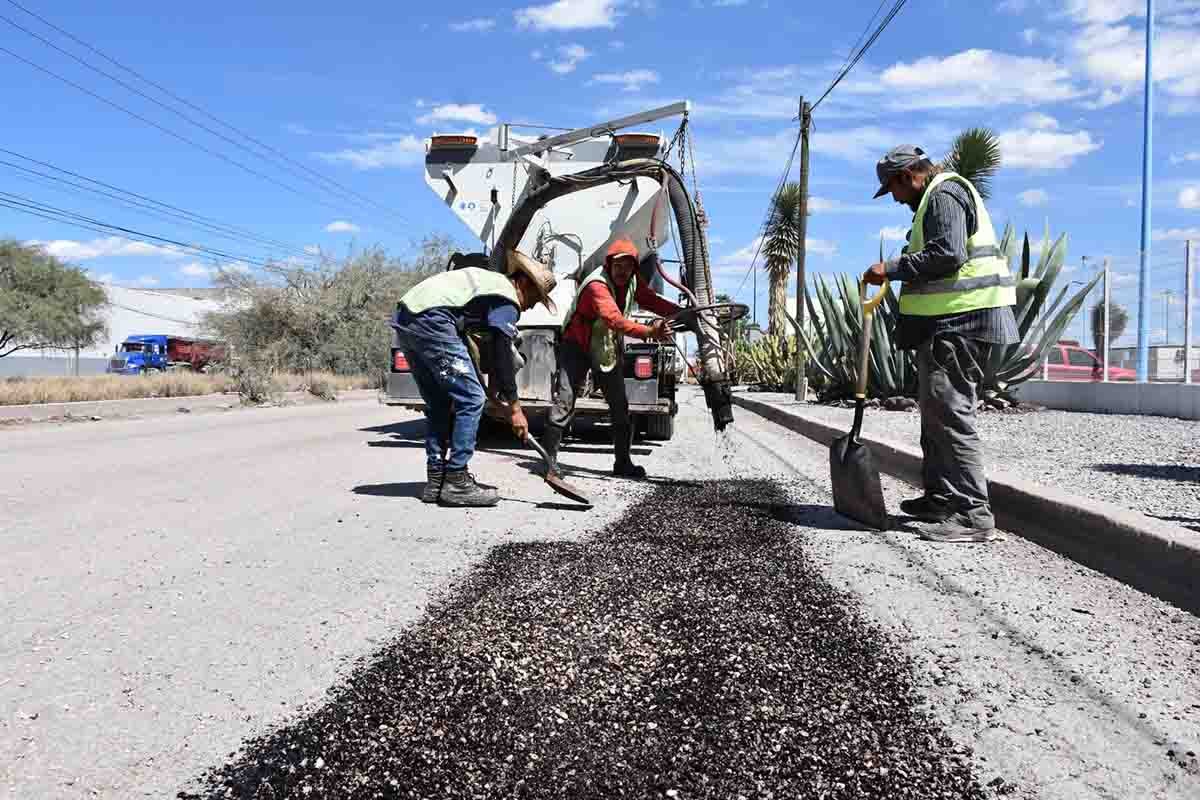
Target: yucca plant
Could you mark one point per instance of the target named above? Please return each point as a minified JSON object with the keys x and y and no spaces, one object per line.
{"x":781,"y":243}
{"x":833,"y":343}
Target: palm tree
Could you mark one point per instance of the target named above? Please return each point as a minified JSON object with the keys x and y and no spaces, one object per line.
{"x":976,"y":156}
{"x":781,"y":243}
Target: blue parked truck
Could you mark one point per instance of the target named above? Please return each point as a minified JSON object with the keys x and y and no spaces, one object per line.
{"x":149,"y":353}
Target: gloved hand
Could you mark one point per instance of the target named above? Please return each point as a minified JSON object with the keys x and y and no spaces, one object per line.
{"x":660,"y":331}
{"x":876,"y":274}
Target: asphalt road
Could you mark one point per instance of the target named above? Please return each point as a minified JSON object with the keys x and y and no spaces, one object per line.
{"x":174,"y":586}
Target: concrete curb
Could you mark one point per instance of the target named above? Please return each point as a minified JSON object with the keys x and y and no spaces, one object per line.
{"x":1151,"y":555}
{"x":150,"y":406}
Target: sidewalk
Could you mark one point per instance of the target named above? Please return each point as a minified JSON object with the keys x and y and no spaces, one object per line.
{"x":1050,"y":475}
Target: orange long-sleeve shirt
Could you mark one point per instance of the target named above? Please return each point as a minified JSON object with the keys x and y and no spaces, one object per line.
{"x":597,"y":302}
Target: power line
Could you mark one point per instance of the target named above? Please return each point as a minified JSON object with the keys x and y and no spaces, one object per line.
{"x":28,"y":205}
{"x":842,"y":73}
{"x":167,"y":130}
{"x":148,"y":205}
{"x":292,"y":165}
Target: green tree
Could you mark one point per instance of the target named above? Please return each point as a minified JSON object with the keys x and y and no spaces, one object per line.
{"x":1118,"y":320}
{"x":44,"y":303}
{"x":333,"y":316}
{"x":781,"y":243}
{"x":976,"y":156}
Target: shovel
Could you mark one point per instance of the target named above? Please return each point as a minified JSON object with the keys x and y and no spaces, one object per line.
{"x":857,"y":493}
{"x":553,"y":479}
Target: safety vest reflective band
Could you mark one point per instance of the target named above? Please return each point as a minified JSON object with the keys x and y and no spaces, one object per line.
{"x":983,"y":281}
{"x":457,"y":288}
{"x":605,"y":346}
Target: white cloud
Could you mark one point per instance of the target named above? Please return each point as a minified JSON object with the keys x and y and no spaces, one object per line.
{"x":194,"y":269}
{"x":1039,"y":121}
{"x":481,"y":25}
{"x":145,"y":280}
{"x":71,"y":250}
{"x":312,"y":249}
{"x":1030,"y":35}
{"x":617,"y":44}
{"x":400,"y":152}
{"x":893,"y":233}
{"x":569,"y":15}
{"x":569,"y":57}
{"x":1189,"y":198}
{"x":1033,"y":197}
{"x":729,"y":3}
{"x":1185,"y":158}
{"x":978,"y":78}
{"x":472,"y":113}
{"x":1113,"y":56}
{"x":631,"y":81}
{"x":1105,"y":11}
{"x":1044,"y":149}
{"x":1176,"y":234}
{"x":737,"y":262}
{"x":341,"y":226}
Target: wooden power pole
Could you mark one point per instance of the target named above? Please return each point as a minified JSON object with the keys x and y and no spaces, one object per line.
{"x":801,"y":352}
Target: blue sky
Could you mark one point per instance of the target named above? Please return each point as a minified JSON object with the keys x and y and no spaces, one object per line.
{"x":350,"y":92}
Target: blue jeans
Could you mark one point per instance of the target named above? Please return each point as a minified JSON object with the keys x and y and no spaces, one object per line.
{"x":453,"y":397}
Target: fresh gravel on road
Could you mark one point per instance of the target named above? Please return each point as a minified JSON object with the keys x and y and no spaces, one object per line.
{"x":1148,"y":464}
{"x":690,"y":649}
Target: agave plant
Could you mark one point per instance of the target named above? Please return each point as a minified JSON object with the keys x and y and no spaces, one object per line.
{"x":833,"y":344}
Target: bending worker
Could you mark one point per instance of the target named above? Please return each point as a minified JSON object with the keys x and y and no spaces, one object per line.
{"x":956,"y":304}
{"x":431,"y":321}
{"x":593,"y":339}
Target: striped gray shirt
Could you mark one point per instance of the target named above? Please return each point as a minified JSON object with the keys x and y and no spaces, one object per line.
{"x":949,"y":221}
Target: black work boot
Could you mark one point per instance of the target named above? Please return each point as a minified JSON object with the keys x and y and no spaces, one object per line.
{"x":433,"y":482}
{"x":551,"y":439}
{"x":460,"y":489}
{"x":624,"y":467}
{"x":927,"y":509}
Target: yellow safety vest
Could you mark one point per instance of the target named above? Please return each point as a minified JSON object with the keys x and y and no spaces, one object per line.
{"x":458,"y":287}
{"x":982,"y":282}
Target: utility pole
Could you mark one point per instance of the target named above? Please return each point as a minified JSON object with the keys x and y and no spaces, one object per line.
{"x":1166,"y":295}
{"x":801,"y":352}
{"x":1187,"y":313}
{"x":1143,"y":352}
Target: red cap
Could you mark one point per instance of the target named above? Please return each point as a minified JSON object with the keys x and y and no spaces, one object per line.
{"x":621,"y":247}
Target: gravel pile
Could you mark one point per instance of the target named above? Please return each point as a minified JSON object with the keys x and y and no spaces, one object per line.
{"x":689,"y":650}
{"x":1148,"y":464}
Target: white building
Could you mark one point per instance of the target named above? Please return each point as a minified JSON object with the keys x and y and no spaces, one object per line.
{"x":171,"y":312}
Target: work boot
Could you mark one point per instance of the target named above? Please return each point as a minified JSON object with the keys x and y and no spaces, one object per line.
{"x":460,"y":489}
{"x":434,"y":473}
{"x":926,"y":509}
{"x":958,"y":529}
{"x":551,"y":439}
{"x":628,"y":469}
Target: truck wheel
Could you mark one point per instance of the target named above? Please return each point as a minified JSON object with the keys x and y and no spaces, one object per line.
{"x":660,"y":427}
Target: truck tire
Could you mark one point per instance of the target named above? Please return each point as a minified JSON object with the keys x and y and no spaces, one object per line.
{"x":660,"y":427}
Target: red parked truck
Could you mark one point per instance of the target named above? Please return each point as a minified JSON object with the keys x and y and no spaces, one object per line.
{"x":1067,"y":361}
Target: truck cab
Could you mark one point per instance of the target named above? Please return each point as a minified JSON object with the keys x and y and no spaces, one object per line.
{"x":139,"y":355}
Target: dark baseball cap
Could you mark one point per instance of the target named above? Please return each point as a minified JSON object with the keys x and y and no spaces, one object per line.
{"x":894,"y":162}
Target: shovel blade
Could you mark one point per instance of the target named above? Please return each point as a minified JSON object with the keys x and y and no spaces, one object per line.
{"x":857,"y":492}
{"x":555,"y":482}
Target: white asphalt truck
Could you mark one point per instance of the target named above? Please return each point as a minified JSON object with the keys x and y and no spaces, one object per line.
{"x":563,"y":200}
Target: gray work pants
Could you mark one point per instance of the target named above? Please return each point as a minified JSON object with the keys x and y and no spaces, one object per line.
{"x":573,"y":366}
{"x":950,"y":369}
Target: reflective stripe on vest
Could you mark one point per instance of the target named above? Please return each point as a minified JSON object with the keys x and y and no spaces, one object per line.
{"x":983,"y":281}
{"x":604,"y":344}
{"x":457,"y":288}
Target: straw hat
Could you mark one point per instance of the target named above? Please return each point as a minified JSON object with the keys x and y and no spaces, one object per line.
{"x":543,"y":280}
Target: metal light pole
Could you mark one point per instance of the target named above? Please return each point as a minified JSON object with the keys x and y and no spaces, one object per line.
{"x":1106,"y":310}
{"x":1187,"y":315}
{"x":1143,"y":356}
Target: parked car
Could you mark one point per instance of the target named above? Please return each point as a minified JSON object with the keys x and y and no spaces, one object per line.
{"x":1067,"y":361}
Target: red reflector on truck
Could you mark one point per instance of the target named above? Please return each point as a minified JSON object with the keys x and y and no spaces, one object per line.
{"x":399,"y":362}
{"x":643,"y":368}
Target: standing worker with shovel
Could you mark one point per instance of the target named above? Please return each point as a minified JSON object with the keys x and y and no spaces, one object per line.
{"x":431,"y":321}
{"x":955,"y":306}
{"x":593,"y":336}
